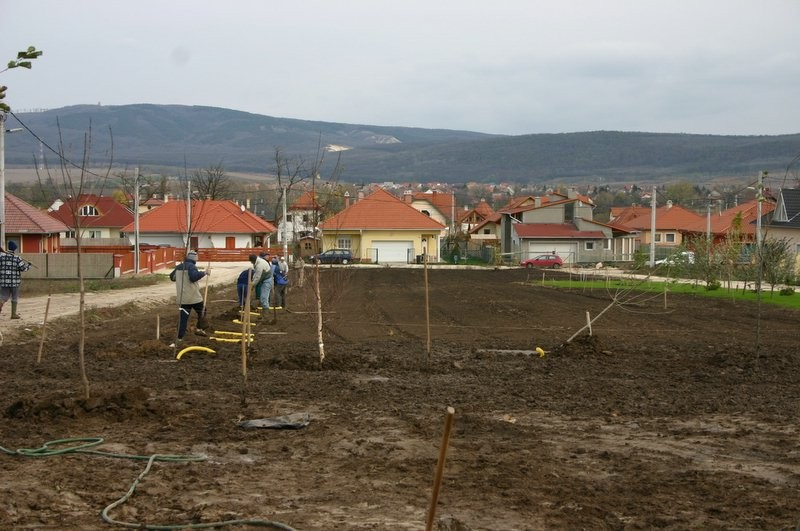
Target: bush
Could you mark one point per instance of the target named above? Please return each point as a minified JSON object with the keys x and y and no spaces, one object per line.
{"x":713,"y":285}
{"x":787,"y":291}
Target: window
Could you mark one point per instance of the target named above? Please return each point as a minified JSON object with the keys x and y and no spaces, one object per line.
{"x":589,"y":246}
{"x":658,"y":237}
{"x":487,"y":231}
{"x":89,"y":210}
{"x":670,"y":237}
{"x":95,"y":234}
{"x":607,"y":244}
{"x":307,"y":246}
{"x":288,"y":218}
{"x":305,"y":218}
{"x":343,"y":242}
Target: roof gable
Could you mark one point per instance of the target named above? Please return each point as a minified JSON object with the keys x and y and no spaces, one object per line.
{"x":670,"y":217}
{"x":110,"y":212}
{"x":381,"y":210}
{"x":22,"y":217}
{"x":787,"y":213}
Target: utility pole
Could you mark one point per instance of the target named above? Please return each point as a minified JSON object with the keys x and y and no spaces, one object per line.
{"x":3,"y":179}
{"x":188,"y":213}
{"x":653,"y":228}
{"x":285,"y":242}
{"x":759,"y":236}
{"x":136,"y":220}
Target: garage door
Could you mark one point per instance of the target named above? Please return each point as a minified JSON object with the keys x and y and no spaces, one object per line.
{"x":393,"y":251}
{"x":565,"y":250}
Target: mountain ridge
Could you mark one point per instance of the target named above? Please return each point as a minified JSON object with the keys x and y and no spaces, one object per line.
{"x":171,"y":136}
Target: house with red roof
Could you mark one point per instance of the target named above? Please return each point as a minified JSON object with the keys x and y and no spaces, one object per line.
{"x":214,"y":224}
{"x":562,"y":225}
{"x":673,"y":222}
{"x":438,"y":205}
{"x":301,"y":217}
{"x":99,"y":217}
{"x":383,"y":229}
{"x":33,"y":230}
{"x":469,"y":218}
{"x":739,"y":220}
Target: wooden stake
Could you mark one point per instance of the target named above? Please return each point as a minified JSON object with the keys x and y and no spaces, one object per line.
{"x":665,"y":296}
{"x":437,"y":482}
{"x":44,"y":328}
{"x":246,"y":330}
{"x":427,"y":305}
{"x":205,"y":293}
{"x":158,"y":326}
{"x":593,"y":320}
{"x":589,"y":322}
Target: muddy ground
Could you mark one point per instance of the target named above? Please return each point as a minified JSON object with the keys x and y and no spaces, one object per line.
{"x":676,"y":418}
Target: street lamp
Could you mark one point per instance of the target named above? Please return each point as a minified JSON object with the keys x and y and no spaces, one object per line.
{"x":3,"y":132}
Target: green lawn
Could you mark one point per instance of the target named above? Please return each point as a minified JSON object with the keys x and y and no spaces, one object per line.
{"x":699,"y":290}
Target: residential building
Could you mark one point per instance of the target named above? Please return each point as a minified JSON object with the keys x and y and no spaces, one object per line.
{"x":215,"y":224}
{"x":382,"y":229}
{"x":100,"y":219}
{"x":33,"y":230}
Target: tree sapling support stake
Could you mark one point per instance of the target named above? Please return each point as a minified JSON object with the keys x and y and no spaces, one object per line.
{"x":44,"y":329}
{"x":437,"y":482}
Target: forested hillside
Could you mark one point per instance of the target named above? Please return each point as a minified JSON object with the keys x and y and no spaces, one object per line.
{"x":176,"y":136}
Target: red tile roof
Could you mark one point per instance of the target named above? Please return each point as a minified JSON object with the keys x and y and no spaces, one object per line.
{"x":305,"y":202}
{"x":722,"y":223}
{"x":673,"y":217}
{"x":209,"y":216}
{"x":482,"y":210}
{"x":27,"y":219}
{"x":554,"y":230}
{"x":444,"y":202}
{"x":111,"y":213}
{"x":381,"y":210}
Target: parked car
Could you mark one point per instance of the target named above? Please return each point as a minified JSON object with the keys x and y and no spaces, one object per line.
{"x":333,"y":256}
{"x":543,"y":260}
{"x":684,"y":257}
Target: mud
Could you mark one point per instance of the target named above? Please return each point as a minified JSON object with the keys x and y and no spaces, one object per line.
{"x":678,"y":417}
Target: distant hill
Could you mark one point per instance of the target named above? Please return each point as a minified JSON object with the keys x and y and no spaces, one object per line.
{"x":169,"y":136}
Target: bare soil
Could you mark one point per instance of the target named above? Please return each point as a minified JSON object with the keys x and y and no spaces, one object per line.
{"x":675,"y":418}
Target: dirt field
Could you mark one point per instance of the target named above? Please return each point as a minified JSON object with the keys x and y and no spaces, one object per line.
{"x":675,"y":418}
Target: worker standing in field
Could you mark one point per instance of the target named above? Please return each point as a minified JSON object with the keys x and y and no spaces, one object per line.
{"x":11,"y":269}
{"x":186,"y":277}
{"x":262,"y":280}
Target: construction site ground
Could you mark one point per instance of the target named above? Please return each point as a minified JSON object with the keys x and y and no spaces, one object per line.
{"x":674,"y":417}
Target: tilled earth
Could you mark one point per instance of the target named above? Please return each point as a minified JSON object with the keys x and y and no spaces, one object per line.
{"x":678,"y":417}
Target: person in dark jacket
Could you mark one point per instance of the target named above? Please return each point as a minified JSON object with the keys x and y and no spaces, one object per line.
{"x":281,"y":281}
{"x":241,"y":285}
{"x":11,"y":269}
{"x":186,"y":277}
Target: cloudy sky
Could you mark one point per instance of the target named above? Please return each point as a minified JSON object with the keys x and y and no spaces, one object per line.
{"x":501,"y":66}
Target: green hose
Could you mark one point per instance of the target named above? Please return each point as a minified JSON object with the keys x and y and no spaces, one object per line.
{"x":83,"y":445}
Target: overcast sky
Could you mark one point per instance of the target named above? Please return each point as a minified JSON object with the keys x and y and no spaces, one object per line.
{"x":510,"y":67}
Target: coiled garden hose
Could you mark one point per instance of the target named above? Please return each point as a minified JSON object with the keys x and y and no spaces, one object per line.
{"x":84,"y":445}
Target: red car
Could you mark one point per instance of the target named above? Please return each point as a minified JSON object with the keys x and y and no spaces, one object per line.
{"x":543,"y":260}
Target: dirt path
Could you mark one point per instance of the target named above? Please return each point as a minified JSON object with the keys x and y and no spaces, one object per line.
{"x":32,"y":309}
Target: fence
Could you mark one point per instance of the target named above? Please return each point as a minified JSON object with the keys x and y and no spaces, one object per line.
{"x":115,"y":261}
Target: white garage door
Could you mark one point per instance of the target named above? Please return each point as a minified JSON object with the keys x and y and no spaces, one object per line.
{"x":565,"y":250}
{"x":393,"y":251}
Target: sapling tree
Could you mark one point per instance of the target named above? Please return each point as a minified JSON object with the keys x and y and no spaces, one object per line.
{"x":75,"y":184}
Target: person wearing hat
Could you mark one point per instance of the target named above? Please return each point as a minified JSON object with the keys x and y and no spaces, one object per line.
{"x":186,"y":277}
{"x":11,"y":269}
{"x":262,"y":280}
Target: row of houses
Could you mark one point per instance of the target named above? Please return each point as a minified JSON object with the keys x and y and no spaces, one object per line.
{"x":380,"y":227}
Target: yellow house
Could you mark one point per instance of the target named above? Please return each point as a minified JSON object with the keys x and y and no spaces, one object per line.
{"x":383,"y":229}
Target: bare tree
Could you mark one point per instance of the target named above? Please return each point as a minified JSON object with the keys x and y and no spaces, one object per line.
{"x":212,"y":182}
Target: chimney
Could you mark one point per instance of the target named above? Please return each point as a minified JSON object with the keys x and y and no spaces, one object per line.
{"x":347,"y":199}
{"x":669,"y":204}
{"x":571,"y":193}
{"x":408,"y":197}
{"x":537,"y":201}
{"x":360,"y":195}
{"x":247,"y":203}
